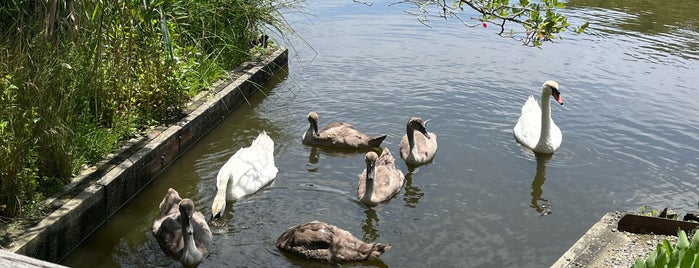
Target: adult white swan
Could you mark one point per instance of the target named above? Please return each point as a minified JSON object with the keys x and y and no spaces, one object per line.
{"x":248,"y":170}
{"x":181,"y":231}
{"x":535,"y":128}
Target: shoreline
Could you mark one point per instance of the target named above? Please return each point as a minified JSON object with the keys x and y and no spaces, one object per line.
{"x":92,"y":197}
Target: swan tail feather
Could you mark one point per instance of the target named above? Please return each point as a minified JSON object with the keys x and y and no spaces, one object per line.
{"x":376,"y":141}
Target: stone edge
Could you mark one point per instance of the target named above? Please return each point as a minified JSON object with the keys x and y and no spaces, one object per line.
{"x":65,"y":228}
{"x":592,"y":243}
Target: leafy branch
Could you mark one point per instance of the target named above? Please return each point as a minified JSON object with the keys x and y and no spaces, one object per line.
{"x":540,"y":20}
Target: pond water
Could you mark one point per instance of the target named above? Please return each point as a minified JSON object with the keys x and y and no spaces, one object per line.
{"x":630,"y":128}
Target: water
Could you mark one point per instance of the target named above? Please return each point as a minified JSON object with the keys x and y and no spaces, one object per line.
{"x":630,"y":132}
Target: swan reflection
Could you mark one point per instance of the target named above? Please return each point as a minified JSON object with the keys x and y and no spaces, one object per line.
{"x":316,"y":152}
{"x":412,"y":193}
{"x":538,"y":203}
{"x":369,"y":225}
{"x":313,"y":159}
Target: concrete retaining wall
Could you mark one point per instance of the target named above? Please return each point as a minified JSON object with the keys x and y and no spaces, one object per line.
{"x":73,"y":221}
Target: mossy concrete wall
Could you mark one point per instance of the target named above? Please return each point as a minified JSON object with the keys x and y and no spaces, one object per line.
{"x":97,"y":195}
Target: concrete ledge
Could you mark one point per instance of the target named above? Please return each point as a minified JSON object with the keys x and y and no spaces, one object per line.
{"x":9,"y":259}
{"x":96,"y":195}
{"x":603,"y":245}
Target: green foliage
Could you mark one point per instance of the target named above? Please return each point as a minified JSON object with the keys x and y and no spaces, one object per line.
{"x":683,"y":254}
{"x":539,"y":19}
{"x":645,"y":211}
{"x":77,"y":78}
{"x":651,"y":212}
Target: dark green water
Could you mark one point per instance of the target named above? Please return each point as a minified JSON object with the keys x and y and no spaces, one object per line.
{"x":630,"y":134}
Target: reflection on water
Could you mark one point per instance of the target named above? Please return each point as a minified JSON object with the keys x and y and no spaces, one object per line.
{"x":369,"y":225}
{"x":648,"y":17}
{"x":413,"y":193}
{"x":538,"y":203}
{"x":316,"y":152}
{"x":313,"y":159}
{"x":665,"y":27}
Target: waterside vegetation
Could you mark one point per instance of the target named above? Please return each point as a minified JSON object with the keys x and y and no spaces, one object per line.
{"x":684,"y":253}
{"x":78,"y":78}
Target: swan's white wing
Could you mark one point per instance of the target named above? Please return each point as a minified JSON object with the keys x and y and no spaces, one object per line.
{"x":556,"y":135}
{"x":528,"y":127}
{"x":251,"y":168}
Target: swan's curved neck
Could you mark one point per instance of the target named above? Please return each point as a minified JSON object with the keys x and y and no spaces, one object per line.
{"x":190,"y":253}
{"x":369,"y":191}
{"x":545,"y":135}
{"x":368,"y":184}
{"x":410,"y":132}
{"x":222,"y":184}
{"x":314,"y":128}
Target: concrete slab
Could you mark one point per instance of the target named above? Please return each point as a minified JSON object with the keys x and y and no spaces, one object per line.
{"x":603,"y":245}
{"x":10,"y":259}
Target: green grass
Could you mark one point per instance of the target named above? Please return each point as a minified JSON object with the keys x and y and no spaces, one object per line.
{"x":77,"y":78}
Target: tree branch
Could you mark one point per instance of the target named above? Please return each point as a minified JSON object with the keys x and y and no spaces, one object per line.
{"x":539,"y":20}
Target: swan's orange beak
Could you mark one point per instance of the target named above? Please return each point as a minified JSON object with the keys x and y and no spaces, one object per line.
{"x":558,"y":98}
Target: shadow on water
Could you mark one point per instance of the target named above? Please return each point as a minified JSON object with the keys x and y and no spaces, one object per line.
{"x":538,"y":203}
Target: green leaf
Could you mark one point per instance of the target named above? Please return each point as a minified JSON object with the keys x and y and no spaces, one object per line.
{"x":582,"y":27}
{"x":650,"y":261}
{"x":668,"y":248}
{"x":678,"y":255}
{"x":662,"y":259}
{"x":688,"y":258}
{"x":682,"y":241}
{"x":695,"y":240}
{"x":639,"y":264}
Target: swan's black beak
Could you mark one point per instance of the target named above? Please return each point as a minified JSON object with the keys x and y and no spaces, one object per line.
{"x":423,"y":130}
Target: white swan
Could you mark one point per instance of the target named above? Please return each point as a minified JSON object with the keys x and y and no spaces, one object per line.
{"x":418,"y":149}
{"x":380,"y":180}
{"x":248,"y":170}
{"x":535,"y":128}
{"x":181,"y":231}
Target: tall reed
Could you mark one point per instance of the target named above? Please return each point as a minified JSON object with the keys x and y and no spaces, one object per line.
{"x":79,"y":77}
